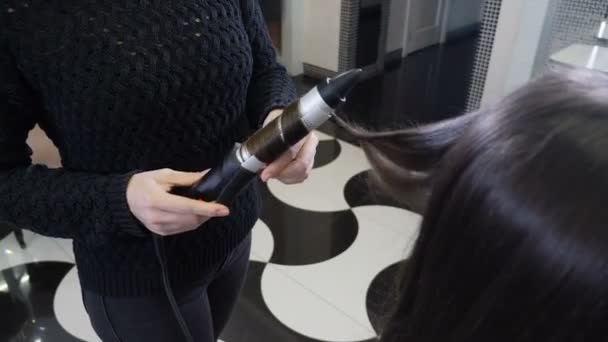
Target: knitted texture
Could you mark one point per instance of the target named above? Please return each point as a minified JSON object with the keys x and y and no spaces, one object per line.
{"x":122,"y":86}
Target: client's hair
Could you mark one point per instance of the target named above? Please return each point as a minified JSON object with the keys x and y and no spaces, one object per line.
{"x":514,"y":242}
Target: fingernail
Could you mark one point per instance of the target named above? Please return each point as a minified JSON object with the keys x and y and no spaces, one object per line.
{"x":223,"y":212}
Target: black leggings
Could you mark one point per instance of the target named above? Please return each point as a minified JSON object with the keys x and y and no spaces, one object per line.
{"x":206,"y":308}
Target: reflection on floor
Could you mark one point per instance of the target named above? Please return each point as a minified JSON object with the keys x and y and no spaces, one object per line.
{"x":427,"y":86}
{"x":320,"y":265}
{"x":324,"y":254}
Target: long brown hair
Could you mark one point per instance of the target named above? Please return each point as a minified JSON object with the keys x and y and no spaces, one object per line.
{"x":514,"y":242}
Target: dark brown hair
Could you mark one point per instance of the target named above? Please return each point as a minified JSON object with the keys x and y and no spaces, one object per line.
{"x":514,"y":242}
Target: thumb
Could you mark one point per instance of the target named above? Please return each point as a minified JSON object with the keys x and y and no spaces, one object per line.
{"x":178,"y":178}
{"x":276,"y":167}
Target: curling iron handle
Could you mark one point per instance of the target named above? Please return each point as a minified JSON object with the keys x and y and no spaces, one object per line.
{"x":221,"y":184}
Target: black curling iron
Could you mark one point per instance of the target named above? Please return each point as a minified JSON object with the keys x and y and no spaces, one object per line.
{"x":223,"y":183}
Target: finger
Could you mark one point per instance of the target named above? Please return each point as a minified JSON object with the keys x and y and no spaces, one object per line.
{"x":294,"y":173}
{"x":309,"y":149}
{"x":170,"y":218}
{"x":183,"y":205}
{"x":178,"y":178}
{"x":298,"y":170}
{"x":173,"y":223}
{"x":278,"y":165}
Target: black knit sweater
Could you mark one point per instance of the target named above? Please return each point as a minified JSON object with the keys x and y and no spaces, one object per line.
{"x":122,"y":86}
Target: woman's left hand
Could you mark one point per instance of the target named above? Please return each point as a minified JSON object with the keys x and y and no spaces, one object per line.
{"x":295,"y":165}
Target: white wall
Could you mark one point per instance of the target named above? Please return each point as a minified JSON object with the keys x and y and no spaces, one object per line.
{"x":463,"y":13}
{"x":396,"y":25}
{"x":321,"y":33}
{"x":292,"y":37}
{"x":311,"y":32}
{"x":460,"y":13}
{"x":516,"y":45}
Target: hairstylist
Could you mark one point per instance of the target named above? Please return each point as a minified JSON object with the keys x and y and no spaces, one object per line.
{"x":130,"y":91}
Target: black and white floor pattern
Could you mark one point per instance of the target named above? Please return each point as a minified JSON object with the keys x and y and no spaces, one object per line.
{"x":323,"y":260}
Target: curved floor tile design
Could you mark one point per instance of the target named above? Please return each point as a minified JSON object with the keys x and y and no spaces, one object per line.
{"x":12,"y":324}
{"x":322,"y":136}
{"x":262,"y":244}
{"x":304,"y":237}
{"x":327,"y":152}
{"x":360,"y":191}
{"x":307,"y":313}
{"x":70,"y":311}
{"x":39,"y":248}
{"x":31,"y":289}
{"x":252,"y":321}
{"x":386,"y":236}
{"x":382,"y":294}
{"x":323,"y":191}
{"x":319,"y":267}
{"x":6,"y":231}
{"x":67,"y":246}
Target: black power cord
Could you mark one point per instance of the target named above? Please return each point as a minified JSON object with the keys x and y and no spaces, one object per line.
{"x":159,"y":247}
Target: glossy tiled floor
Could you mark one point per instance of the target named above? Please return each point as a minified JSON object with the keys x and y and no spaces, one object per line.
{"x":428,"y":85}
{"x":324,"y":253}
{"x":317,"y":249}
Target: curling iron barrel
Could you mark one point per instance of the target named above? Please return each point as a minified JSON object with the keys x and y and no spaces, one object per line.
{"x":242,"y":164}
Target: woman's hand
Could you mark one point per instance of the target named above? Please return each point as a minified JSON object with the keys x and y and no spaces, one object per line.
{"x":163,"y":213}
{"x":295,"y":165}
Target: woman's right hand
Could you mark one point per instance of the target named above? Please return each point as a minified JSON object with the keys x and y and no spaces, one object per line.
{"x":166,"y":214}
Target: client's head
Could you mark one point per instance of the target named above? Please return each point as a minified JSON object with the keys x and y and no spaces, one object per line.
{"x":514,"y":241}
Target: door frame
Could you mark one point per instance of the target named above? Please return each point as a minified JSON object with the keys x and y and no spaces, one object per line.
{"x":446,"y":4}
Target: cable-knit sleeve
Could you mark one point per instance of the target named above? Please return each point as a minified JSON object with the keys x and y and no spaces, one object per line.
{"x":270,"y":87}
{"x":53,"y":202}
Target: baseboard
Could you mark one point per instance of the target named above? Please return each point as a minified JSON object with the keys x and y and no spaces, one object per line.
{"x":370,"y":3}
{"x":463,"y":32}
{"x":317,"y":72}
{"x":393,"y":59}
